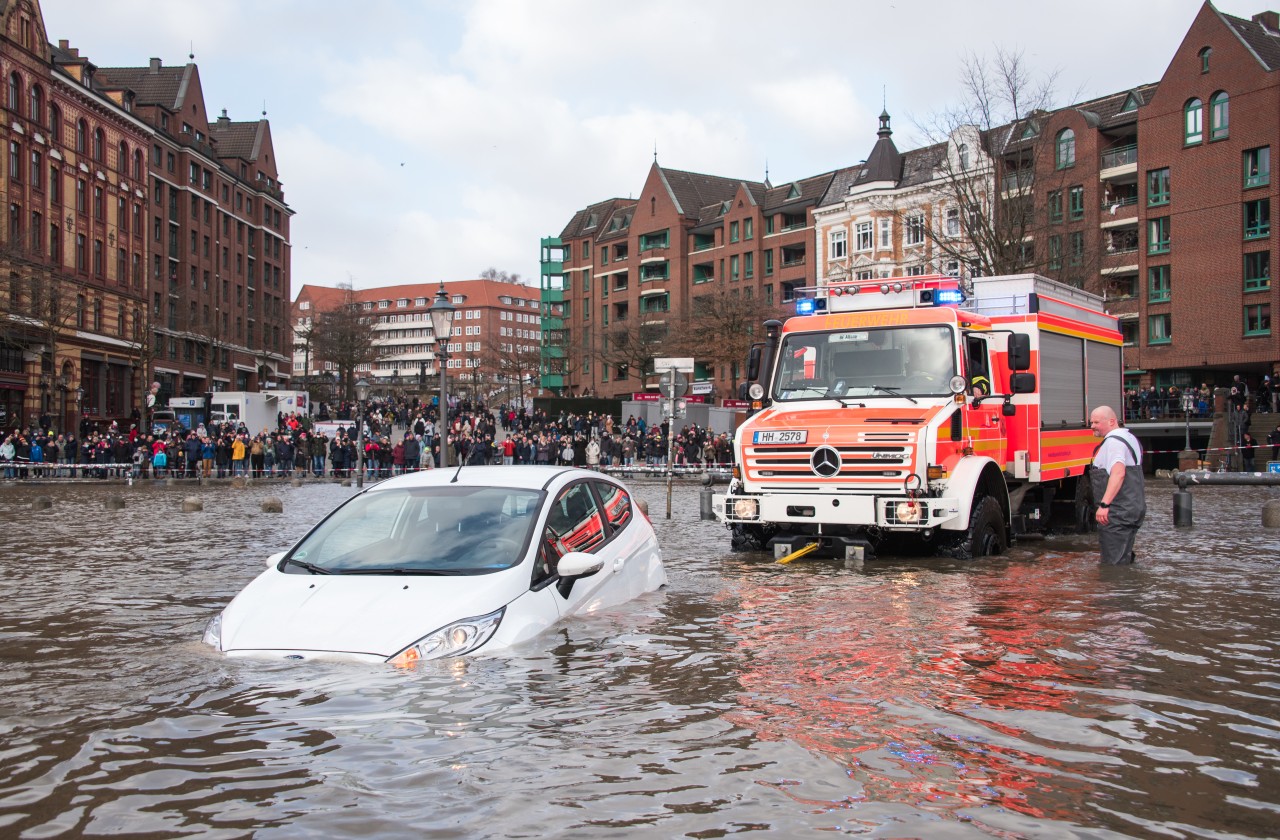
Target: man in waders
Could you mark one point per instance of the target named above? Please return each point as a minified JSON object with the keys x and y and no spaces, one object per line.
{"x":1117,"y":484}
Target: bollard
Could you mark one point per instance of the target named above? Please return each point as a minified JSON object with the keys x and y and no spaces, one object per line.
{"x":297,"y":482}
{"x":113,"y":503}
{"x":1271,"y":514}
{"x":238,"y":481}
{"x":640,"y":503}
{"x":346,"y":482}
{"x":192,"y":504}
{"x":271,"y":504}
{"x":1182,"y":509}
{"x":704,"y":503}
{"x":41,"y":503}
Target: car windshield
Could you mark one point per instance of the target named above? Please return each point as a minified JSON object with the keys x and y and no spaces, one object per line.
{"x":451,"y":530}
{"x":888,"y":362}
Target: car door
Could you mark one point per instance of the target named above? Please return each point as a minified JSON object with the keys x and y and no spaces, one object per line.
{"x":575,"y":522}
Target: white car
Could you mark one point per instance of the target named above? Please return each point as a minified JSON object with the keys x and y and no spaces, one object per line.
{"x":445,"y":563}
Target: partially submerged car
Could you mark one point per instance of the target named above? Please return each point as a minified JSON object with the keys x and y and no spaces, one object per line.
{"x":443,"y":563}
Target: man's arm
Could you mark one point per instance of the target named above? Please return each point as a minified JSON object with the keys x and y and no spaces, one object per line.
{"x":1114,"y":480}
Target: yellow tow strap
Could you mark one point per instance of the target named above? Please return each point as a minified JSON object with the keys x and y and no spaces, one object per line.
{"x":798,"y":553}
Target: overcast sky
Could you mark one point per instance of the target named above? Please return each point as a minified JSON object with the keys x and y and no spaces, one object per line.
{"x":424,"y":141}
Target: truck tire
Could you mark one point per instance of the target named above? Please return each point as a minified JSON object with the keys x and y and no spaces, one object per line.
{"x":988,"y":532}
{"x":1086,"y":507}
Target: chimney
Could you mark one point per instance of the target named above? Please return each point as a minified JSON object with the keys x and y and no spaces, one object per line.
{"x":224,"y":120}
{"x":63,"y":44}
{"x":155,"y":65}
{"x":1268,"y":20}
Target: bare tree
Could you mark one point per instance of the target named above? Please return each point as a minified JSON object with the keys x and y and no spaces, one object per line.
{"x":513,"y":366}
{"x":626,"y":348}
{"x":492,"y":273}
{"x":720,"y":325}
{"x":989,"y":149}
{"x":345,"y":336}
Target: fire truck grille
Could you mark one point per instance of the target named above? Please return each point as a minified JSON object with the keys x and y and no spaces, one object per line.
{"x":830,"y":463}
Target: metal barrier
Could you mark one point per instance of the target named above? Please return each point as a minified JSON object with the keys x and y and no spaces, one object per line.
{"x":1182,"y":507}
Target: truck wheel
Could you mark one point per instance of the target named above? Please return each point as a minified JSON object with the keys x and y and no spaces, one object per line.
{"x":748,"y":537}
{"x":1086,"y":507}
{"x":987,"y":534}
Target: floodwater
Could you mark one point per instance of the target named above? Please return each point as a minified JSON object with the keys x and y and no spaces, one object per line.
{"x":1034,"y":695}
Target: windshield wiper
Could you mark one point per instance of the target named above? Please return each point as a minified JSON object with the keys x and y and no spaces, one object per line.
{"x":310,"y":567}
{"x":403,"y":570}
{"x":893,"y":391}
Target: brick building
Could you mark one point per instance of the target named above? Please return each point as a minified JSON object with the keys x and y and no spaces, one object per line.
{"x":143,"y":242}
{"x":72,"y":247}
{"x":494,"y":346}
{"x":624,"y":272}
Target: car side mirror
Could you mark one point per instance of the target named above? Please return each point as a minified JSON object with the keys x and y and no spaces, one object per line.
{"x":1022,"y":383}
{"x":578,"y":564}
{"x":274,"y":560}
{"x":1019,"y":351}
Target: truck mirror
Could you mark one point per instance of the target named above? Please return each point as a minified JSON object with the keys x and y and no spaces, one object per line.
{"x":753,"y":362}
{"x":1008,"y":409}
{"x":1019,"y":351}
{"x":1022,"y":383}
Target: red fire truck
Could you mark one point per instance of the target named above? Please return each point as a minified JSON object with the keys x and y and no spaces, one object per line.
{"x":922,"y":412}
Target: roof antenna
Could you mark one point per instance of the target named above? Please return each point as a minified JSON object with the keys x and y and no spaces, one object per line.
{"x":191,"y":56}
{"x":766,"y":171}
{"x":655,"y":150}
{"x":264,"y":107}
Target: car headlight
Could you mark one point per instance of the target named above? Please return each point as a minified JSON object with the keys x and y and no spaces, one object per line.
{"x":453,"y":639}
{"x":213,"y":632}
{"x":746,"y":508}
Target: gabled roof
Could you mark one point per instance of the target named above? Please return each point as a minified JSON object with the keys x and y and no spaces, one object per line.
{"x":154,"y":85}
{"x":237,"y":139}
{"x":693,"y":191}
{"x":1262,"y":42}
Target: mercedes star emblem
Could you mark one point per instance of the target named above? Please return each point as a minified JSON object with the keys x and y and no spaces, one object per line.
{"x":825,"y":462}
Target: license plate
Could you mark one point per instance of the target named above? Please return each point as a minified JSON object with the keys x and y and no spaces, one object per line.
{"x":784,"y":436}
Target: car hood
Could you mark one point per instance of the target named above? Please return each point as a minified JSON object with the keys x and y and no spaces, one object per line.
{"x":364,"y":615}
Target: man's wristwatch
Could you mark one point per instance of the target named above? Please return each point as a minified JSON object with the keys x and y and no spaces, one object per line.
{"x":1104,"y":504}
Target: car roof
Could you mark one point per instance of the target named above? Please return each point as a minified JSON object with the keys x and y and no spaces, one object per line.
{"x":525,"y":476}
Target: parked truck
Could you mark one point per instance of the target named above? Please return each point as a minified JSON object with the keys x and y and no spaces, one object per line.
{"x":258,"y":410}
{"x":922,"y":413}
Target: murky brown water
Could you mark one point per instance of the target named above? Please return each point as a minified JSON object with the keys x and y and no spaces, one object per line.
{"x":1037,"y":695}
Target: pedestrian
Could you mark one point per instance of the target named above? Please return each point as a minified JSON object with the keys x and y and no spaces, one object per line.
{"x":1118,"y":486}
{"x":1248,"y":448}
{"x":1273,"y":438}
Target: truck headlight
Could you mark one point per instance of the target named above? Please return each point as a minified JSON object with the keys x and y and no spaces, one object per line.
{"x":908,"y":512}
{"x":451,"y":640}
{"x":746,"y":509}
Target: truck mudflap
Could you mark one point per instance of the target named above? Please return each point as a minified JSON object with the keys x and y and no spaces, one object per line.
{"x":894,"y":512}
{"x":849,"y":549}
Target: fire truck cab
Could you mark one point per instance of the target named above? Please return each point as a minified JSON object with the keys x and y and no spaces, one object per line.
{"x":923,"y":412}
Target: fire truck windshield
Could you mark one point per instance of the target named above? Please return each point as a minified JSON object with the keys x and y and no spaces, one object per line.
{"x":880,"y":362}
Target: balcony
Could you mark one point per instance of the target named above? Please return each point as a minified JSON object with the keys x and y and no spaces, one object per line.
{"x":1119,"y":212}
{"x":1017,"y":182}
{"x":1120,"y":164}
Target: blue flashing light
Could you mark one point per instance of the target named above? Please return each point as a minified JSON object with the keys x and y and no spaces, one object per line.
{"x":943,"y":297}
{"x":806,"y":306}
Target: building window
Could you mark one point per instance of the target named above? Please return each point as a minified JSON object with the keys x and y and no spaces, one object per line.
{"x":1257,"y":319}
{"x":1066,"y":150}
{"x":1076,"y":255}
{"x":1257,"y":218}
{"x":36,"y":105}
{"x":1158,"y":187}
{"x":99,"y":145}
{"x":1075,"y":202}
{"x":915,"y":229}
{"x":1257,"y":167}
{"x":953,"y":221}
{"x":748,"y":229}
{"x":1055,"y":251}
{"x":1158,"y":235}
{"x":886,"y":234}
{"x":1257,"y":271}
{"x":15,"y":91}
{"x":768,"y":262}
{"x":1129,"y":332}
{"x":1204,"y":59}
{"x":1219,"y":116}
{"x":733,"y":231}
{"x":1158,"y":284}
{"x":1160,"y":329}
{"x":1055,"y":206}
{"x":82,"y":136}
{"x":963,"y":155}
{"x":15,"y":161}
{"x":863,"y":236}
{"x":733,"y":268}
{"x":839,"y":244}
{"x":1193,"y":122}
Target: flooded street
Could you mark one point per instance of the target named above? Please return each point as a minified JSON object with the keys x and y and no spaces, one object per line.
{"x":1034,"y":695}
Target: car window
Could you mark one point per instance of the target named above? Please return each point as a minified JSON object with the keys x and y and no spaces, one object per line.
{"x":616,"y":503}
{"x":450,"y":530}
{"x":574,"y":523}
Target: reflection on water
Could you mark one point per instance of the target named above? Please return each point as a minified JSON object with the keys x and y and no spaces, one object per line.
{"x":1031,"y":695}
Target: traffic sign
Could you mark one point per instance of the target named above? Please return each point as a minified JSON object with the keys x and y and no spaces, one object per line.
{"x":669,"y":388}
{"x":682,"y":364}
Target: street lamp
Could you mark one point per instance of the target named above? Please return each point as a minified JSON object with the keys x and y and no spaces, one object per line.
{"x":362,"y":394}
{"x":442,"y":324}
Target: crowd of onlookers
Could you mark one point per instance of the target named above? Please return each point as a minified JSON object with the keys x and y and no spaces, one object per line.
{"x":1152,"y":403}
{"x":398,"y":436}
